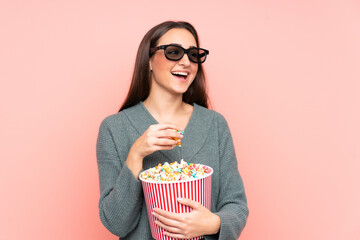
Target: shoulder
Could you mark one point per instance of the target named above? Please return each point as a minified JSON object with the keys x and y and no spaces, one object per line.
{"x":114,"y":119}
{"x":120,"y":119}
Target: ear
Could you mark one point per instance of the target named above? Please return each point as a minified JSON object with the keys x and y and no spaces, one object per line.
{"x":150,"y":66}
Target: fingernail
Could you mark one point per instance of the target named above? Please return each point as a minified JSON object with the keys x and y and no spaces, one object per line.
{"x":180,"y":199}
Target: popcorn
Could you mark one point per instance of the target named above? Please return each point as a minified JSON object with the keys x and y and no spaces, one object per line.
{"x":178,"y":139}
{"x":175,"y":172}
{"x":164,"y":184}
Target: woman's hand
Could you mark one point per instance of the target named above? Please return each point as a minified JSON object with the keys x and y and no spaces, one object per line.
{"x":200,"y":221}
{"x":156,"y":137}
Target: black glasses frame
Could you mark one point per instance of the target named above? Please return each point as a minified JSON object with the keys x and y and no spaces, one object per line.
{"x":187,"y":51}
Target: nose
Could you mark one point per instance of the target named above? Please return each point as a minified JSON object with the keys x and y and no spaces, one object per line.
{"x":185,"y":60}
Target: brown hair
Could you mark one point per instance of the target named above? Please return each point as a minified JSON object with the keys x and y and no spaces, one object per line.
{"x":140,"y":84}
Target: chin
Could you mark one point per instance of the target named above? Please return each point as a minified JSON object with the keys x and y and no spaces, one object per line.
{"x":181,"y":90}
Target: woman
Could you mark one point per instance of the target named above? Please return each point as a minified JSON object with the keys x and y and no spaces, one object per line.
{"x":168,"y":92}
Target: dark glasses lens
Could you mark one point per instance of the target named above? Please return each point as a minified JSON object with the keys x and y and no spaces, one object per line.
{"x":175,"y":53}
{"x":197,"y":55}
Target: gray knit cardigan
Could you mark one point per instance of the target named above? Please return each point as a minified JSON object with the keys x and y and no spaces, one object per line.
{"x":207,"y":140}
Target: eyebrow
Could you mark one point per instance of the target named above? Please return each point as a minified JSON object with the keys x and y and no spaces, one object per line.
{"x":180,"y":45}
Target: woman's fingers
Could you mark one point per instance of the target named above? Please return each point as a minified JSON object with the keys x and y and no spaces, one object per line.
{"x":165,"y":137}
{"x":176,"y":235}
{"x":165,"y":142}
{"x":190,"y":203}
{"x":157,"y":137}
{"x":167,"y":223}
{"x":168,"y":228}
{"x":156,"y":141}
{"x":175,"y":225}
{"x":168,"y":215}
{"x":199,"y":221}
{"x":166,"y":133}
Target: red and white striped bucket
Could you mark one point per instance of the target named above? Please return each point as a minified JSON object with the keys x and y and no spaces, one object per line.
{"x":164,"y":195}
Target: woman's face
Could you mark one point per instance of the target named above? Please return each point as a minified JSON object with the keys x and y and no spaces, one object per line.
{"x":166,"y":73}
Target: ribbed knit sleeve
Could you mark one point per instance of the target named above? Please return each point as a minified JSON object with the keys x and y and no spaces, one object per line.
{"x":121,"y":193}
{"x":232,"y":204}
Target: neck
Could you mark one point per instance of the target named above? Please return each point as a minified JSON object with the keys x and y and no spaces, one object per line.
{"x":164,"y":106}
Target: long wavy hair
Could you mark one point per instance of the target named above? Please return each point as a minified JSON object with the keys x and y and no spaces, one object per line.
{"x":140,"y":84}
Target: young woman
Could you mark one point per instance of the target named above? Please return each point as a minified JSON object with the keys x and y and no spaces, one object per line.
{"x":168,"y":92}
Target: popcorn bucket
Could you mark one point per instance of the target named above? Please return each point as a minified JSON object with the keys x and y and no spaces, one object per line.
{"x":164,"y":195}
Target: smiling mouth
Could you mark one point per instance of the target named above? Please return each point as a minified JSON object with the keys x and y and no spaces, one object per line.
{"x":183,"y":75}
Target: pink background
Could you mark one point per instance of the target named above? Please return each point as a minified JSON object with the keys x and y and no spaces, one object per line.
{"x":285,"y":74}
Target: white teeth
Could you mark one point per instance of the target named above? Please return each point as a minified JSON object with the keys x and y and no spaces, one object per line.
{"x":180,"y":73}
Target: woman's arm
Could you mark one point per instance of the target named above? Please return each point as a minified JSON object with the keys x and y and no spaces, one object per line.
{"x":121,"y":193}
{"x":157,"y":137}
{"x":232,"y":203}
